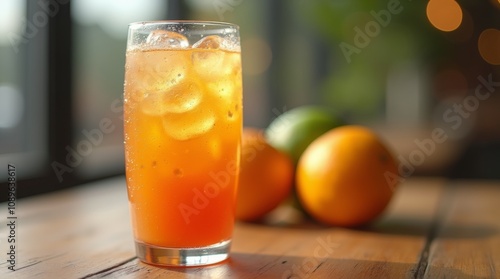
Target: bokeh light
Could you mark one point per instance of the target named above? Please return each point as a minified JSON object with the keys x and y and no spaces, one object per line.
{"x":465,"y":31}
{"x":489,"y":46}
{"x":11,"y":23}
{"x":256,"y":55}
{"x":445,"y":15}
{"x":496,"y":3}
{"x":11,"y":107}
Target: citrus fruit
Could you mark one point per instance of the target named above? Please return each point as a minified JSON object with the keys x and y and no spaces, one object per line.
{"x":266,"y":177}
{"x":343,"y":177}
{"x":294,"y":130}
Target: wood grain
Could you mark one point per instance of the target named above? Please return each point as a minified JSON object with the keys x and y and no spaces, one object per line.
{"x":466,"y":243}
{"x":72,"y":233}
{"x":389,"y":249}
{"x":432,"y":229}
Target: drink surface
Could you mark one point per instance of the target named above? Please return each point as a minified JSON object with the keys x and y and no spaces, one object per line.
{"x":183,"y":121}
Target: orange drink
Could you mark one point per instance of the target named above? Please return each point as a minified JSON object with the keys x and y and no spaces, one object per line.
{"x":183,"y":123}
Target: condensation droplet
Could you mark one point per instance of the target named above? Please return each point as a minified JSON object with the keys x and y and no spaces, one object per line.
{"x":178,"y":172}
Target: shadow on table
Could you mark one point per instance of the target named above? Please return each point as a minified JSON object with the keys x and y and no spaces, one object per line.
{"x":395,"y":226}
{"x":273,"y":266}
{"x":419,"y":227}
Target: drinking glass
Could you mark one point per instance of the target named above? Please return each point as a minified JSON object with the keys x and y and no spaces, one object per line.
{"x":183,"y":124}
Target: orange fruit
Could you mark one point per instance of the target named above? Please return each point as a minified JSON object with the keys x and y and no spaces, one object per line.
{"x":266,"y":177}
{"x":343,"y":177}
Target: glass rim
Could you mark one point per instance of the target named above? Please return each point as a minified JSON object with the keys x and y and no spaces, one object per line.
{"x":173,"y":22}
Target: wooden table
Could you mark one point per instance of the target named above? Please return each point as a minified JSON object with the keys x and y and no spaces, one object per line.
{"x":434,"y":228}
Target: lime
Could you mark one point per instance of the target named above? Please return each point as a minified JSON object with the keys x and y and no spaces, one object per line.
{"x":294,"y":130}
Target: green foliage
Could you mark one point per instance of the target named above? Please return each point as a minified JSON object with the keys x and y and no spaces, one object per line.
{"x":357,"y":83}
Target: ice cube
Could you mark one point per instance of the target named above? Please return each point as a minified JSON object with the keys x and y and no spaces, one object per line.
{"x":189,"y":125}
{"x":183,"y":97}
{"x":180,"y":98}
{"x":154,"y":72}
{"x":164,"y":76}
{"x":223,"y":88}
{"x":208,"y":64}
{"x":218,"y":42}
{"x":167,"y":39}
{"x":210,"y":42}
{"x":153,"y":104}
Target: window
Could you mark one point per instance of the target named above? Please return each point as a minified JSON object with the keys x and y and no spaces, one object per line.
{"x":23,"y":84}
{"x":60,"y":89}
{"x":392,"y":64}
{"x":99,"y":43}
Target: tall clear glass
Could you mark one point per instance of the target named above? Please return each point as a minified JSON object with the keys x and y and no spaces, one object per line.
{"x":183,"y":124}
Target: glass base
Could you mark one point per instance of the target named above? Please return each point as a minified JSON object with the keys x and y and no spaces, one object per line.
{"x":157,"y":255}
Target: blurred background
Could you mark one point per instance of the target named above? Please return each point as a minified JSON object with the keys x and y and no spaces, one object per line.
{"x":424,"y":74}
